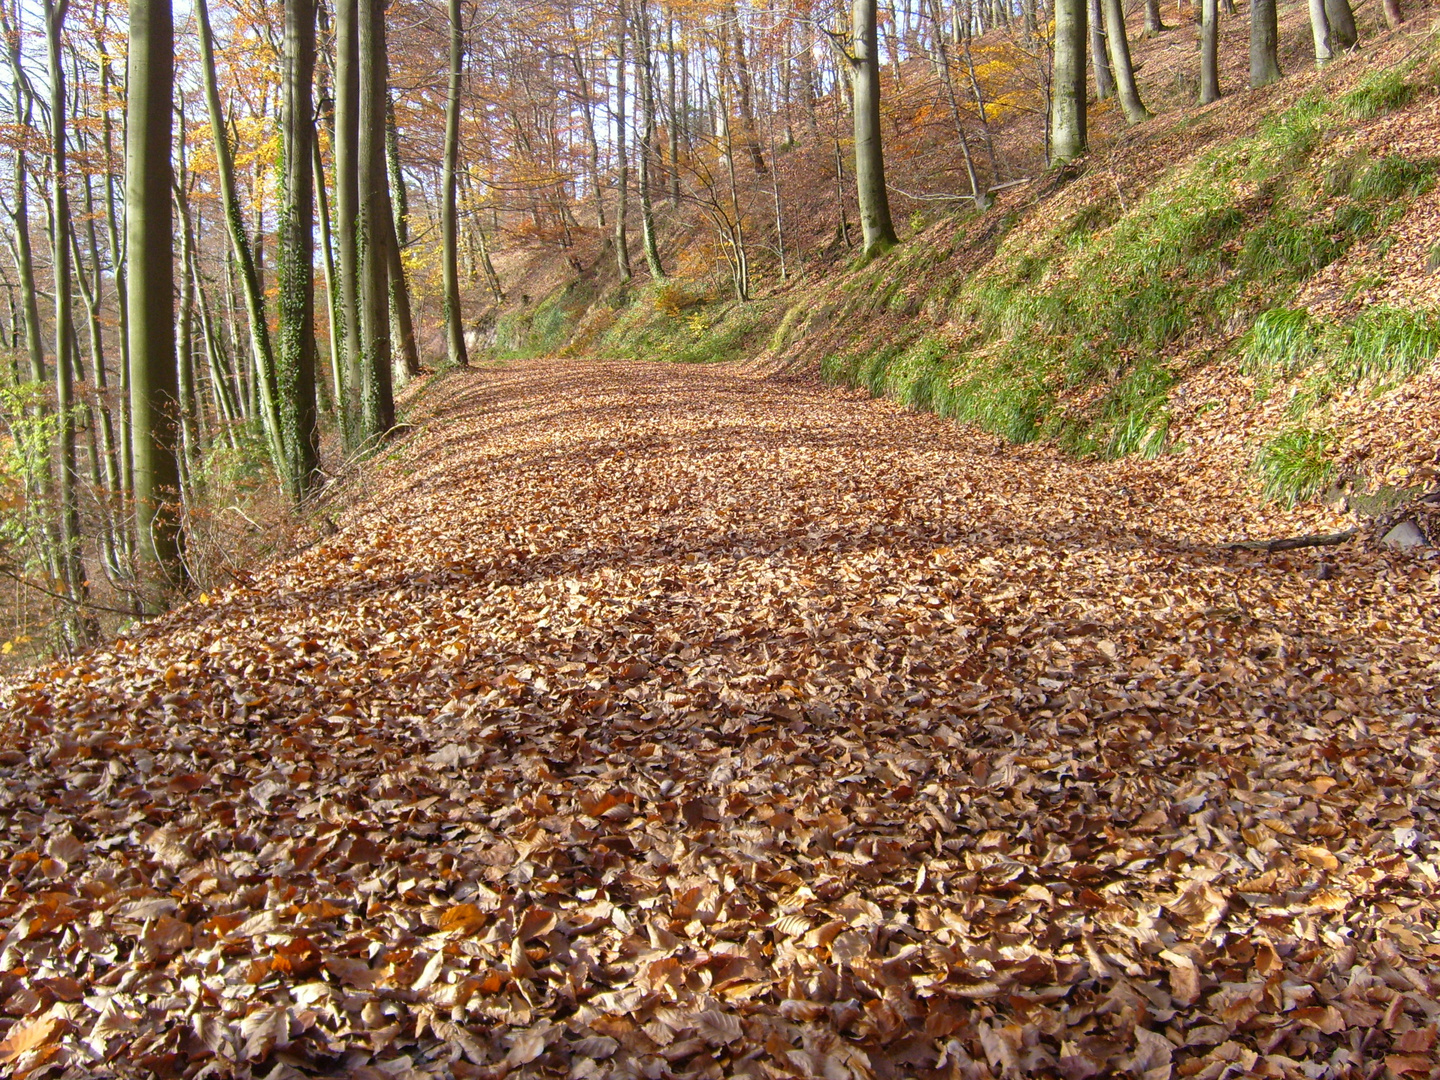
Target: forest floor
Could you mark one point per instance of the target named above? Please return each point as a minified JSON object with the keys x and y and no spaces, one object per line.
{"x":648,"y":720}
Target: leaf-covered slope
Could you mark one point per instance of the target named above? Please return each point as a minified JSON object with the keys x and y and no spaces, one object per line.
{"x":658,"y":721}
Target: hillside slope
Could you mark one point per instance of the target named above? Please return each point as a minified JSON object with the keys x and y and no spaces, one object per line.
{"x":658,"y":721}
{"x":1253,"y":286}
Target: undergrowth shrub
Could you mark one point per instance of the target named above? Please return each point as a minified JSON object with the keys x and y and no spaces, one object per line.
{"x":1295,"y":465}
{"x":1280,"y":343}
{"x":1378,"y":93}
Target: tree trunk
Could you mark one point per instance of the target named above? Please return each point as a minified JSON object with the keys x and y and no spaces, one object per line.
{"x":332,"y":285}
{"x":295,"y":270}
{"x":449,"y":218}
{"x":622,"y":163}
{"x":1067,"y":109}
{"x":1320,"y":31}
{"x":20,"y":213}
{"x":1209,"y":50}
{"x":78,"y":629}
{"x":1099,"y":60}
{"x":266,"y":387}
{"x":376,"y":225}
{"x":1118,"y":44}
{"x":347,"y":211}
{"x":876,"y":227}
{"x":1264,"y":38}
{"x":941,"y":55}
{"x":402,"y":319}
{"x":150,"y":249}
{"x":1153,"y":22}
{"x":645,"y":73}
{"x":1341,"y":20}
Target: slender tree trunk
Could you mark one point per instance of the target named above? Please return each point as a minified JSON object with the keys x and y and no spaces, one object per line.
{"x":79,"y":630}
{"x":1393,"y":16}
{"x":941,"y":54}
{"x":332,"y":285}
{"x":745,"y":84}
{"x":150,"y":247}
{"x":402,"y":322}
{"x":1341,"y":21}
{"x":376,"y":225}
{"x":1320,"y":31}
{"x":347,"y":211}
{"x":875,"y":225}
{"x":1153,"y":22}
{"x":1067,"y":108}
{"x":402,"y":318}
{"x":1099,"y":60}
{"x":449,"y":218}
{"x":295,"y":269}
{"x":20,"y":212}
{"x":1264,"y":36}
{"x":622,"y":164}
{"x":1209,"y":52}
{"x":265,"y":382}
{"x":646,"y":75}
{"x":1119,"y":46}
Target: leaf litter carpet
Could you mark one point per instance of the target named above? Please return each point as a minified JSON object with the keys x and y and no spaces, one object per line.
{"x":648,"y":721}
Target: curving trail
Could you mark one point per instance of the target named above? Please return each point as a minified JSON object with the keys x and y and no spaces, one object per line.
{"x":651,"y":721}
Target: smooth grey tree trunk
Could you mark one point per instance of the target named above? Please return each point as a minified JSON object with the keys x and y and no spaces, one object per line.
{"x":449,"y":218}
{"x":347,"y":212}
{"x":376,"y":225}
{"x":1118,"y":43}
{"x":150,"y":250}
{"x":1099,"y":58}
{"x":622,"y":163}
{"x":644,"y":72}
{"x":877,"y":230}
{"x":1067,"y":108}
{"x":1341,"y":20}
{"x":1320,"y":32}
{"x":1264,"y":42}
{"x":1209,"y":52}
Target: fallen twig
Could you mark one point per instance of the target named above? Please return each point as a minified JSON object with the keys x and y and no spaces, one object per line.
{"x":1290,"y":543}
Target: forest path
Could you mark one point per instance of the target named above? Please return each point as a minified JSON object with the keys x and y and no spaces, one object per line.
{"x":654,"y":720}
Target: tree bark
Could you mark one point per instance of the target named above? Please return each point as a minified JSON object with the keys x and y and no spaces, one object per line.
{"x":1067,"y":109}
{"x":449,"y":218}
{"x":622,"y":163}
{"x":645,"y":73}
{"x":1320,"y":31}
{"x":1099,"y":60}
{"x":1341,"y":20}
{"x":1209,"y":52}
{"x":296,"y":253}
{"x":78,"y":629}
{"x":1153,"y":22}
{"x":1264,"y":39}
{"x":877,"y":229}
{"x":1118,"y":43}
{"x":347,"y":211}
{"x":266,"y":385}
{"x":376,"y":225}
{"x":150,"y":248}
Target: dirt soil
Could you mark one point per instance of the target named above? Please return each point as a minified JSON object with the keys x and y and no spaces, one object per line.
{"x":651,"y":720}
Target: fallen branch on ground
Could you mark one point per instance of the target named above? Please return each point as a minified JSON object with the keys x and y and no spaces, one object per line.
{"x":1290,"y":543}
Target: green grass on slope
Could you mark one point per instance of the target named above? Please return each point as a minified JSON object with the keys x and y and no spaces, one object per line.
{"x":1093,"y":307}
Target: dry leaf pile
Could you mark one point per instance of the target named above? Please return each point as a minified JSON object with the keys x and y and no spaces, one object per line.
{"x":654,"y":722}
